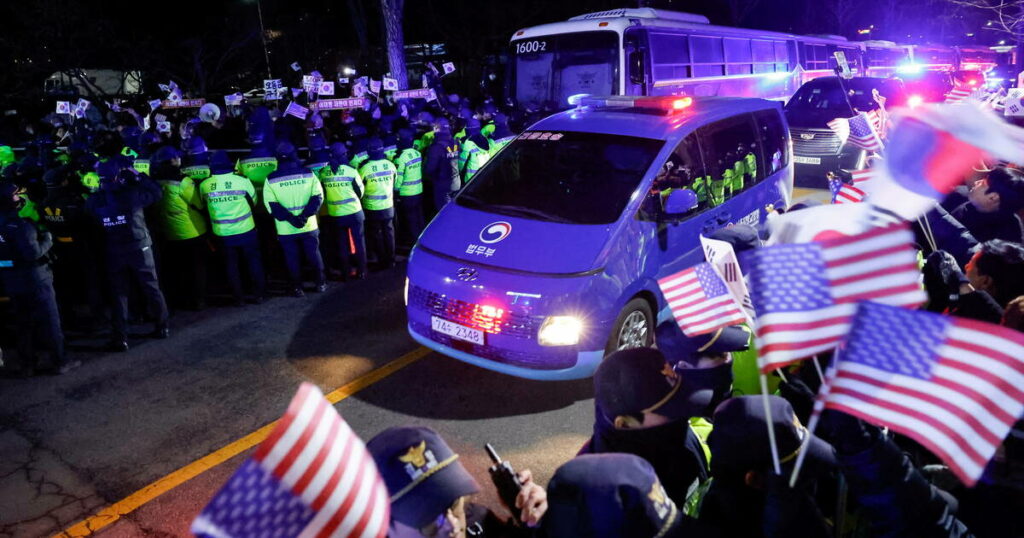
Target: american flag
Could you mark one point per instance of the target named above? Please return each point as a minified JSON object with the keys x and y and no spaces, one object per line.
{"x":700,"y":301}
{"x":879,"y":119}
{"x":805,"y":294}
{"x":953,"y":384}
{"x":957,"y":95}
{"x":858,"y":131}
{"x":844,"y":193}
{"x":312,"y":476}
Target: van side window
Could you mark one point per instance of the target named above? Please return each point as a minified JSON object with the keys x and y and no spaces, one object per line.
{"x":731,"y":151}
{"x":683,"y":169}
{"x":774,"y":142}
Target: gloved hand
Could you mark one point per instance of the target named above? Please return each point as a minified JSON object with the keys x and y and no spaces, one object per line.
{"x":298,"y":221}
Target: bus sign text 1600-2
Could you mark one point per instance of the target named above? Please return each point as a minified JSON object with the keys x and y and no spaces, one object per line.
{"x":524,"y":47}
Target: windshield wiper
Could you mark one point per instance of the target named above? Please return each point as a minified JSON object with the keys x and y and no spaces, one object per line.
{"x":519,"y":211}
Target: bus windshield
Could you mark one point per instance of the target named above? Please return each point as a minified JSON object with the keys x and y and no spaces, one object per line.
{"x":566,"y":177}
{"x":551,"y":68}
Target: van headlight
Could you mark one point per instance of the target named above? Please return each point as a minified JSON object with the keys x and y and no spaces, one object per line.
{"x":405,"y":293}
{"x":560,"y":331}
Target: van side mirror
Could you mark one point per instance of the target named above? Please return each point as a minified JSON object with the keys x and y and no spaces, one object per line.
{"x":636,"y":67}
{"x":680,"y":202}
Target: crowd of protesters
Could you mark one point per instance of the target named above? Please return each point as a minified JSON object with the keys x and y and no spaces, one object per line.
{"x":133,"y":213}
{"x":680,"y":445}
{"x":115,"y":215}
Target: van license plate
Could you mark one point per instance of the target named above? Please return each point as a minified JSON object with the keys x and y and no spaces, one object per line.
{"x":457,"y":331}
{"x":806,"y":160}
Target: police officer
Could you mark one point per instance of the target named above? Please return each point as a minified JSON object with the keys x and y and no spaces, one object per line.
{"x":184,"y":229}
{"x":379,"y":175}
{"x":260,"y":161}
{"x":292,"y":195}
{"x":197,"y":160}
{"x":318,"y":153}
{"x":149,"y":142}
{"x":118,"y":207}
{"x":343,"y":187}
{"x":76,"y":275}
{"x":28,"y":282}
{"x":441,"y":165}
{"x":408,"y":189}
{"x":230,"y":200}
{"x":474,"y":151}
{"x":502,"y":135}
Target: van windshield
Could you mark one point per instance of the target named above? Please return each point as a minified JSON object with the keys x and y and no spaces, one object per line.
{"x":567,"y":177}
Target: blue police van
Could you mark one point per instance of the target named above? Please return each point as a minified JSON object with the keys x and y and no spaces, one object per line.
{"x":549,"y":257}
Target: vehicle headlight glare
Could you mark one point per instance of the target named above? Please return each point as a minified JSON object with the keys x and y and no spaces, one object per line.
{"x":560,"y":331}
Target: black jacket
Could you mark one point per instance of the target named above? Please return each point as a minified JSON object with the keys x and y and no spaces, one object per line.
{"x":673,"y":450}
{"x":23,"y":248}
{"x":441,"y":164}
{"x":899,"y":501}
{"x":988,"y":226}
{"x":119,"y":212}
{"x":949,"y":235}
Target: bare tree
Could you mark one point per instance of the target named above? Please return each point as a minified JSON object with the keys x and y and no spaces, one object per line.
{"x":391,"y":12}
{"x":1007,"y":15}
{"x":842,"y":11}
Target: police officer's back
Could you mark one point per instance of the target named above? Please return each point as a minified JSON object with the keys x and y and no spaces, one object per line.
{"x":409,"y":188}
{"x":27,"y":280}
{"x":118,"y":207}
{"x":292,"y":196}
{"x":379,"y":176}
{"x":475,"y":150}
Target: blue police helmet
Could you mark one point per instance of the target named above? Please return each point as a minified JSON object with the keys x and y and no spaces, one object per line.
{"x":286,"y":152}
{"x":472,"y":124}
{"x":165,"y":154}
{"x":500,"y":119}
{"x":220,"y":163}
{"x":339,"y":151}
{"x":256,"y":134}
{"x":317,"y":142}
{"x":443,"y":125}
{"x":195,"y":145}
{"x":374,"y":144}
{"x":406,"y":134}
{"x":109,"y":169}
{"x":148,"y":139}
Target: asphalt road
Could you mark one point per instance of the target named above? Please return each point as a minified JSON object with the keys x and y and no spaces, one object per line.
{"x":74,"y":445}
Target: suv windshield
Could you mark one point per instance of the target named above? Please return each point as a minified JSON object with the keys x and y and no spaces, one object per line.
{"x":551,"y":68}
{"x":567,"y":177}
{"x":827,"y":94}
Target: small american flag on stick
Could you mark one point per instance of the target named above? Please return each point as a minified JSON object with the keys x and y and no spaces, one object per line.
{"x":954,"y":385}
{"x":700,"y":300}
{"x":312,"y":476}
{"x":805,"y":294}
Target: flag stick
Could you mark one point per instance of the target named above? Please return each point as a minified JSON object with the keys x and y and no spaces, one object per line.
{"x":817,"y":367}
{"x":819,"y":406}
{"x":768,"y":422}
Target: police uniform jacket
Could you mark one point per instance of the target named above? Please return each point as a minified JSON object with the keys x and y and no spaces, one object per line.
{"x":441,"y":163}
{"x":23,"y":265}
{"x":119,"y":212}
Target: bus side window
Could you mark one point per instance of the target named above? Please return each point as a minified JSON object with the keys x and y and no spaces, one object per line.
{"x":773,"y":142}
{"x":725,"y":145}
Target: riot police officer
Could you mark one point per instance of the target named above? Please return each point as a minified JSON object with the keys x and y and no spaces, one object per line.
{"x":292,"y":196}
{"x":379,"y":175}
{"x":118,"y":207}
{"x":343,"y":188}
{"x":441,"y":166}
{"x":408,"y":188}
{"x":26,"y":277}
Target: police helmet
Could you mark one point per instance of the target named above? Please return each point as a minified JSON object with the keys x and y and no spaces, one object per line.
{"x":195,"y":145}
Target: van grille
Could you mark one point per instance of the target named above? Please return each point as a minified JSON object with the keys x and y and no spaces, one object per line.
{"x":822,"y":142}
{"x":552,"y":359}
{"x":517,"y":323}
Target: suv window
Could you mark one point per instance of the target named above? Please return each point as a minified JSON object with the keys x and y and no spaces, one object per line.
{"x":773,"y":143}
{"x":684,"y":169}
{"x":731,"y":151}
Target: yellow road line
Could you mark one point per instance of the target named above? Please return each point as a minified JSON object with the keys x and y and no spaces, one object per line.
{"x":125,"y":506}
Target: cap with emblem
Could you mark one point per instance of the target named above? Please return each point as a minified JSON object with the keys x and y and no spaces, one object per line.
{"x":739,"y":440}
{"x":681,"y":348}
{"x":423,"y":475}
{"x":634,"y":381}
{"x":608,"y":495}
